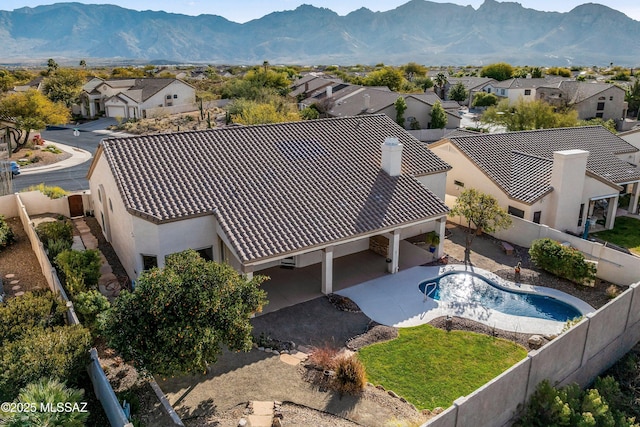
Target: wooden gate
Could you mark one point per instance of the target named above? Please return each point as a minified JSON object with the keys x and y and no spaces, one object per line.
{"x":75,"y":206}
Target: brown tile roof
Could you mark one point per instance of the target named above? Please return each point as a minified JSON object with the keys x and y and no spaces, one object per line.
{"x":521,"y":162}
{"x":278,"y":188}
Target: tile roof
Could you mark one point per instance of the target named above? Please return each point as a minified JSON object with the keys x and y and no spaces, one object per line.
{"x":280,"y":188}
{"x":521,"y":162}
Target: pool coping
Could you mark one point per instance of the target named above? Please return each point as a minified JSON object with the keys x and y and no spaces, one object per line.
{"x":395,"y":300}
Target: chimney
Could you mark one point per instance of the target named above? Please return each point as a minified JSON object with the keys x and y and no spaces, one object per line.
{"x":567,"y":180}
{"x":367,"y":101}
{"x":391,"y":156}
{"x":329,"y":91}
{"x":306,"y":87}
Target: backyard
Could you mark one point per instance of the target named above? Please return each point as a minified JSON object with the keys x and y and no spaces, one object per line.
{"x":625,"y":233}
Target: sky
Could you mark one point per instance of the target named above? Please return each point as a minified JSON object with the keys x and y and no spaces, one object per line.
{"x":246,"y":10}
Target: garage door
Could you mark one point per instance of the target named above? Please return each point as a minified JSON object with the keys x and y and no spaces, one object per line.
{"x":115,"y":111}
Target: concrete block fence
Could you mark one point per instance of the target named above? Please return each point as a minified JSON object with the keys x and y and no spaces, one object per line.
{"x":576,"y":356}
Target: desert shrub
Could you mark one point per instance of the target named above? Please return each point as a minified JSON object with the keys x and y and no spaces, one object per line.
{"x":6,"y":234}
{"x":60,"y":353}
{"x":571,"y":406}
{"x":323,"y":357}
{"x":80,"y":270}
{"x":89,"y":305}
{"x":350,"y":375}
{"x":33,"y":310}
{"x":561,"y":260}
{"x":49,"y":191}
{"x":48,"y":391}
{"x":55,"y":230}
{"x":54,"y":247}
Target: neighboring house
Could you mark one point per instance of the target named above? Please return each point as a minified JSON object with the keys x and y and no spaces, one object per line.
{"x":525,"y":88}
{"x":33,"y":84}
{"x":473,"y":85}
{"x":555,"y":177}
{"x":292,"y":194}
{"x":590,"y":100}
{"x":136,"y":98}
{"x":310,"y":84}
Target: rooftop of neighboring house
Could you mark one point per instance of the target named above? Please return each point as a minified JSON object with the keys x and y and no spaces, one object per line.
{"x":526,"y":83}
{"x":137,"y":89}
{"x":278,"y":188}
{"x":470,"y":83}
{"x":579,"y":91}
{"x":521,"y":162}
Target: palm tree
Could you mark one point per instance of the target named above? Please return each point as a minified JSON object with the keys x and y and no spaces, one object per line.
{"x":441,"y":81}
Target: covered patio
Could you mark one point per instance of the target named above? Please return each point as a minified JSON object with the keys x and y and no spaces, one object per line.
{"x":287,"y":287}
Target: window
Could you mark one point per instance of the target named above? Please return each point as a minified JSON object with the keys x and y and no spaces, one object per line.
{"x":149,"y":262}
{"x":600,"y":106}
{"x":580,"y":214}
{"x":458,"y":183}
{"x":560,"y":95}
{"x":611,"y":98}
{"x":110,"y":206}
{"x":168,"y":96}
{"x":175,"y":96}
{"x":527,"y":92}
{"x":206,"y":253}
{"x":516,"y":212}
{"x":600,"y":115}
{"x":99,"y":196}
{"x":536,"y":216}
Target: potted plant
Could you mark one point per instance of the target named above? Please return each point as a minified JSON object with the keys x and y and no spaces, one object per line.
{"x":433,"y":240}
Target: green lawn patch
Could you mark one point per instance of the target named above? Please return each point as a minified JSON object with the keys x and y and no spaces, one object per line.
{"x":625,"y":233}
{"x":430,"y":367}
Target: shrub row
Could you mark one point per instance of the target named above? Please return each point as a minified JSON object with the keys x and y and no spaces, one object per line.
{"x":6,"y":234}
{"x":562,"y":261}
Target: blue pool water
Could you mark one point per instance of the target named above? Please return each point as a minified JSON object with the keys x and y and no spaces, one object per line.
{"x":460,"y":288}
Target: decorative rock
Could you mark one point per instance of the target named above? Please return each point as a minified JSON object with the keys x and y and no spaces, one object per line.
{"x":261,"y":348}
{"x":10,"y":276}
{"x":403,"y":400}
{"x":14,"y":282}
{"x":437,"y":410}
{"x":304,"y":349}
{"x":276,"y":422}
{"x":16,"y":288}
{"x":379,"y":387}
{"x":426,"y":412}
{"x":392,"y":393}
{"x":267,"y":350}
{"x":536,"y":341}
{"x":242,"y":422}
{"x":19,"y":294}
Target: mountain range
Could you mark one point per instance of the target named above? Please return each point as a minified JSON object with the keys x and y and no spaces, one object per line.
{"x":420,"y":31}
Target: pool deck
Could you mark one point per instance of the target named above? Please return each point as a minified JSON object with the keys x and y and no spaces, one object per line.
{"x":395,"y":300}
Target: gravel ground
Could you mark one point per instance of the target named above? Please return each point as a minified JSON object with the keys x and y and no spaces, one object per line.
{"x":44,"y":157}
{"x":19,"y":259}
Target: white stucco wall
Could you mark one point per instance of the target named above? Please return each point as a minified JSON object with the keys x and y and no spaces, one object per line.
{"x":37,"y":203}
{"x":436,"y":182}
{"x":185,"y":95}
{"x":117,"y":219}
{"x":8,"y":206}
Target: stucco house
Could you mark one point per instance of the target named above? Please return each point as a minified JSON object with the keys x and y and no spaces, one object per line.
{"x":556,"y":177}
{"x":473,"y":85}
{"x":590,"y":100}
{"x":136,"y":98}
{"x":520,"y":88}
{"x":291,"y":194}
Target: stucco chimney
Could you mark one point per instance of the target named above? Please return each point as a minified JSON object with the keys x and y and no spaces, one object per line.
{"x":567,"y":179}
{"x":306,"y":87}
{"x":329,"y":91}
{"x":392,"y":156}
{"x":367,"y":101}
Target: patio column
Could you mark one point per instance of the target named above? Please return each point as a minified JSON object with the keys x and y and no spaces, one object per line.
{"x":393,"y":252}
{"x":635,"y":198}
{"x":247,"y":270}
{"x":440,"y":229}
{"x":611,"y":212}
{"x":327,"y":270}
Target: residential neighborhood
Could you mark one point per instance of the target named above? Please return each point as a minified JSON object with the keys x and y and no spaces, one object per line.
{"x":267,"y":243}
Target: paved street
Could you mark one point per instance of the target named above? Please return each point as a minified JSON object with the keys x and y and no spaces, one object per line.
{"x":72,"y":178}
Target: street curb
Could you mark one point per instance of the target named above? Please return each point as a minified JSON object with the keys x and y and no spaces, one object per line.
{"x":78,"y":156}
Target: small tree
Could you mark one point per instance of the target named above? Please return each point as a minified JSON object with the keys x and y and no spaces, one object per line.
{"x":401,"y":107}
{"x":484,"y":99}
{"x":481,"y":211}
{"x":438,"y":116}
{"x":441,"y":81}
{"x":458,"y":92}
{"x":179,"y":316}
{"x":499,"y":71}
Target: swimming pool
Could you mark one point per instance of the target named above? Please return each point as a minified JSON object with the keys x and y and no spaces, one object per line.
{"x":469,"y":288}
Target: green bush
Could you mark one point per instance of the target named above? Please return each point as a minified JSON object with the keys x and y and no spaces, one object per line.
{"x":6,"y":234}
{"x":33,"y":310}
{"x":89,"y":305}
{"x":60,"y":353}
{"x":54,"y":247}
{"x":55,"y":230}
{"x":571,"y":406}
{"x":80,"y":270}
{"x":561,"y":260}
{"x":350,"y":376}
{"x":48,"y":391}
